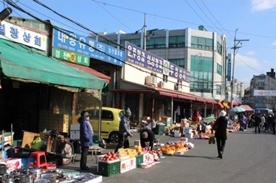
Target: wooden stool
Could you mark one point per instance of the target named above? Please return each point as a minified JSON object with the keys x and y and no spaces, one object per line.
{"x":94,"y":151}
{"x":38,"y":159}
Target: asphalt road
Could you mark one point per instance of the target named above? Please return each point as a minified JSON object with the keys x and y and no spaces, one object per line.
{"x":248,"y":158}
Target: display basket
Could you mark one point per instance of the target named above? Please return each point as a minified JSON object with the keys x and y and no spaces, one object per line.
{"x":168,"y":152}
{"x":181,"y":150}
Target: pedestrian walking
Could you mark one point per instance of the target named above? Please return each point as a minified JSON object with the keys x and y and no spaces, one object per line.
{"x":257,"y":123}
{"x":263,"y":121}
{"x":124,"y":131}
{"x":273,"y":124}
{"x":86,"y":138}
{"x":220,"y":126}
{"x":270,"y":119}
{"x":242,"y":121}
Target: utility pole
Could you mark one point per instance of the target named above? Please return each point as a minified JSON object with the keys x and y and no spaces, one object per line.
{"x":145,"y":33}
{"x":236,"y":43}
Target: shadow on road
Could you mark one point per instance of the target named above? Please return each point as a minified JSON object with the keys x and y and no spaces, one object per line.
{"x":193,"y":156}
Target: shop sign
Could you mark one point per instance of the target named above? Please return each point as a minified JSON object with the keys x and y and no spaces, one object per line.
{"x":21,"y":35}
{"x":264,"y":93}
{"x":142,"y":58}
{"x":86,"y":46}
{"x":71,"y":57}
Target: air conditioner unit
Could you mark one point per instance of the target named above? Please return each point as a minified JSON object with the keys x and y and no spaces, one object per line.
{"x":161,"y":84}
{"x":151,"y":80}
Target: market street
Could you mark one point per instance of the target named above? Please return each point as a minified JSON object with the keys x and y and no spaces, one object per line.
{"x":248,"y":158}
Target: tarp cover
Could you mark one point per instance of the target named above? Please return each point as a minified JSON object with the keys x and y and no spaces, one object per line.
{"x":19,"y":61}
{"x":247,"y":108}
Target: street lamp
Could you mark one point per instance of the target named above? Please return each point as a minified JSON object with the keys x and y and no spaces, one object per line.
{"x":236,"y":43}
{"x":5,"y":13}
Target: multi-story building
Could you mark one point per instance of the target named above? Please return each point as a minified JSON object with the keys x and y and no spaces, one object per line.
{"x":201,"y":52}
{"x":267,"y":84}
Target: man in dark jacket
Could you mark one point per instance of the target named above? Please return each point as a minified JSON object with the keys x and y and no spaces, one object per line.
{"x":124,"y":131}
{"x":146,"y":136}
{"x":257,"y":122}
{"x":220,"y":132}
{"x":86,"y":138}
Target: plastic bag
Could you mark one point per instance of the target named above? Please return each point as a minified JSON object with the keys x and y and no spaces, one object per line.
{"x":37,"y":143}
{"x":212,"y":140}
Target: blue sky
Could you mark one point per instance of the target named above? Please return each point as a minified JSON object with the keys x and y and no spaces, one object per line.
{"x":254,"y":20}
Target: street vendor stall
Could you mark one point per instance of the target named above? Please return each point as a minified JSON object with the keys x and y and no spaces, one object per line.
{"x":55,"y":145}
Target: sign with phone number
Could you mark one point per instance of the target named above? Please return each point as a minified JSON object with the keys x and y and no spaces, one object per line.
{"x":154,"y":63}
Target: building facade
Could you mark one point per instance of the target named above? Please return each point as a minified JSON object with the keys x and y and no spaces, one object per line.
{"x":261,"y":92}
{"x":200,"y":52}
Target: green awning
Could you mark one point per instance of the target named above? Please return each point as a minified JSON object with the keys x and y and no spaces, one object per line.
{"x":20,"y":62}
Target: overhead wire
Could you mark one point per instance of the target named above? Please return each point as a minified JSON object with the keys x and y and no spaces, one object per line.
{"x":113,"y":16}
{"x":92,"y":32}
{"x":61,"y":30}
{"x":208,"y":17}
{"x":128,"y":9}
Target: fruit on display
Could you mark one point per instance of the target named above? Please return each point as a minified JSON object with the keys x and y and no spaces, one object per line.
{"x":122,"y":153}
{"x":109,"y":156}
{"x":172,"y":148}
{"x":139,"y":149}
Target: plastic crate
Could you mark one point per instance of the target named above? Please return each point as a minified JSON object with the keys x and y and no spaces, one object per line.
{"x":109,"y":169}
{"x":160,"y":129}
{"x":139,"y":160}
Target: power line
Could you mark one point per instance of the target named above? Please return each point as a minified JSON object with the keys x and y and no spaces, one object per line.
{"x":214,"y":16}
{"x":207,"y":16}
{"x":140,"y":69}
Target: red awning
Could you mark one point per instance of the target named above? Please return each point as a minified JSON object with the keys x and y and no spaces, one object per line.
{"x":131,"y":91}
{"x":211,"y":101}
{"x":235,"y":103}
{"x":168,"y":94}
{"x":89,"y":71}
{"x":247,"y":108}
{"x":185,"y":97}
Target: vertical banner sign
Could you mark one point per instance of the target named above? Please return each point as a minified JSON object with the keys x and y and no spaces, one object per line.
{"x":229,"y":67}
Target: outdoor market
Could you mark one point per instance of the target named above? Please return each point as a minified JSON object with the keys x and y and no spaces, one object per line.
{"x":41,"y":157}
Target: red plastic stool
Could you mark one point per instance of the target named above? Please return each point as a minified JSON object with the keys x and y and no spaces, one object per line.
{"x":38,"y":159}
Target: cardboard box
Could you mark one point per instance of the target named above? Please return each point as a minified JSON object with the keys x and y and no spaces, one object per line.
{"x":13,"y":164}
{"x":28,"y":137}
{"x":75,"y":134}
{"x":75,"y":127}
{"x":127,"y":165}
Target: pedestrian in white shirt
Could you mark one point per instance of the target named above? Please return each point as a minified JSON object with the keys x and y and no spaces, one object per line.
{"x":262,"y":121}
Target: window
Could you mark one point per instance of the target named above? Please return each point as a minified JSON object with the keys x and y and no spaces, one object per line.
{"x":107,"y":115}
{"x":153,"y":43}
{"x":219,"y":89}
{"x":219,"y":48}
{"x":176,"y":41}
{"x":180,"y":62}
{"x":201,"y":79}
{"x":165,"y":78}
{"x":202,"y":43}
{"x":136,"y":42}
{"x":219,"y":69}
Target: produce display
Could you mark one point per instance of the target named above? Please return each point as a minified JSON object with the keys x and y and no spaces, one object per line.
{"x":129,"y":153}
{"x":170,"y":148}
{"x":109,"y":156}
{"x":139,"y":149}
